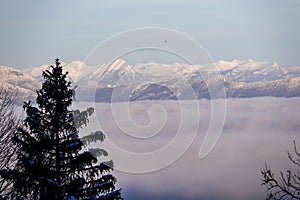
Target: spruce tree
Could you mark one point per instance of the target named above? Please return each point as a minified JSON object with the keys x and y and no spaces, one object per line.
{"x":52,"y":161}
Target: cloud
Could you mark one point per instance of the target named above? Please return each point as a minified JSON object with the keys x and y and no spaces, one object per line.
{"x":256,"y":131}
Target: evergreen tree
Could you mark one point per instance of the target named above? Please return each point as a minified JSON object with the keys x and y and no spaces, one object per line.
{"x":52,"y":163}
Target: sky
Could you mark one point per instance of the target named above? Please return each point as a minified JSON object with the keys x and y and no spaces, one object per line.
{"x":36,"y":32}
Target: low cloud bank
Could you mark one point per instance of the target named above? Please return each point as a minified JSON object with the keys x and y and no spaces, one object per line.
{"x":256,"y":131}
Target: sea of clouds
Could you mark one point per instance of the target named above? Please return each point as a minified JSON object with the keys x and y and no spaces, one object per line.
{"x":255,"y":131}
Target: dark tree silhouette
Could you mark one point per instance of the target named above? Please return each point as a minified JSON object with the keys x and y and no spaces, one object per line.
{"x":287,"y":186}
{"x":52,"y":163}
{"x":8,"y":124}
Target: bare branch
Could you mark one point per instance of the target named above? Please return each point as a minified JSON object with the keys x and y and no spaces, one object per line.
{"x":287,"y":186}
{"x":8,"y":124}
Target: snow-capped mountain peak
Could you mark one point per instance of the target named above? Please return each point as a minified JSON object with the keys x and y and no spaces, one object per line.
{"x":223,"y":65}
{"x":242,"y":78}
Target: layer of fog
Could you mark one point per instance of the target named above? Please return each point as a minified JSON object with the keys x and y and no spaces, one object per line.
{"x":256,"y":130}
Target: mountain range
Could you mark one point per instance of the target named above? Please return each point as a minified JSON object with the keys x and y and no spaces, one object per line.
{"x":120,"y":81}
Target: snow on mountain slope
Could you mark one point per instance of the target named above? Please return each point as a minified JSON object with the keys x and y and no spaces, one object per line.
{"x":237,"y":70}
{"x":17,"y":82}
{"x":223,"y":65}
{"x":245,"y":78}
{"x":76,"y":69}
{"x":251,"y":71}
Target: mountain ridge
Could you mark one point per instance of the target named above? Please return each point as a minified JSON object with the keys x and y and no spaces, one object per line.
{"x":144,"y":81}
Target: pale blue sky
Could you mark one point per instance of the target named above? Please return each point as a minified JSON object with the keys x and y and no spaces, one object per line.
{"x":35,"y":32}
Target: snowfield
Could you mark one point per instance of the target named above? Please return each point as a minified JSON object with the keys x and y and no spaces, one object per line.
{"x":255,"y":131}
